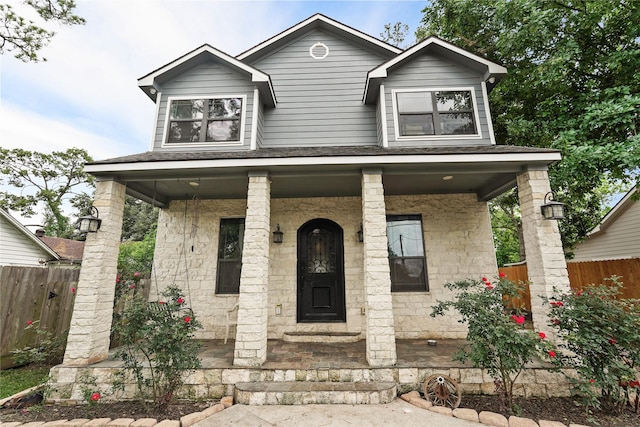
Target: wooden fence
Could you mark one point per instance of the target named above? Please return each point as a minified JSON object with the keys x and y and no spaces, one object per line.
{"x":34,"y":293}
{"x":585,"y":273}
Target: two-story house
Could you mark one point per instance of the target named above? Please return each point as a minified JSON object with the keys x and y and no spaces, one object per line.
{"x":325,"y":182}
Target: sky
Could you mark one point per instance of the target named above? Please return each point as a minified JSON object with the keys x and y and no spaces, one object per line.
{"x":86,"y":94}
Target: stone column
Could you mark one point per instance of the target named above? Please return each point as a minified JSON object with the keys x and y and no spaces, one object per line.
{"x":545,"y":258}
{"x":251,"y":333}
{"x":88,"y":340}
{"x":380,"y":333}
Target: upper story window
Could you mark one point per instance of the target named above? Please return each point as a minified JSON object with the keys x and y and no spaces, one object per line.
{"x":205,"y":120}
{"x":435,"y":112}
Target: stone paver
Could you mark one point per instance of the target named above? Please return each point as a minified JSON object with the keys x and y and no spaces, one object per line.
{"x":227,"y":401}
{"x":168,"y":423}
{"x":521,"y":422}
{"x":77,"y":422}
{"x":144,"y":422}
{"x":493,"y":419}
{"x":58,"y":423}
{"x":545,"y":423}
{"x":442,"y":410}
{"x":31,"y":424}
{"x":98,"y":422}
{"x":466,"y":414}
{"x":120,"y":422}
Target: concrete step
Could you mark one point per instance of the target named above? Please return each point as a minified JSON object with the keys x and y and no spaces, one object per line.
{"x":320,"y":337}
{"x":305,"y":393}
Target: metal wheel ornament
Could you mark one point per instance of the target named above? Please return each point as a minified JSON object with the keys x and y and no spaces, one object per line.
{"x":442,"y":390}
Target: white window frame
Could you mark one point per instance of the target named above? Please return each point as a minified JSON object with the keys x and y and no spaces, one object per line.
{"x":396,"y":120}
{"x":243,"y":118}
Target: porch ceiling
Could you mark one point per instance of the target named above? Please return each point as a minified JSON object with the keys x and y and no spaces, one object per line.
{"x":163,"y":177}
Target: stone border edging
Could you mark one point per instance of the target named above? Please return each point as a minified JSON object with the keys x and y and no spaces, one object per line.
{"x":185,"y":421}
{"x":485,"y":417}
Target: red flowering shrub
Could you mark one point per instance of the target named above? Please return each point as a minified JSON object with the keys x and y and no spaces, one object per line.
{"x":602,"y":335}
{"x":497,"y":339}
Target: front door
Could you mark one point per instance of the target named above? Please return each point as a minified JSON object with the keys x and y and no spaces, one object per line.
{"x":321,"y":272}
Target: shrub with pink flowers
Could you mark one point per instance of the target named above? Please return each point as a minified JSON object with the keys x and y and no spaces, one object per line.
{"x":601,"y":332}
{"x":497,"y":339}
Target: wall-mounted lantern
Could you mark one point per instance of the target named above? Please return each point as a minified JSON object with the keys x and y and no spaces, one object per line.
{"x":278,"y":236}
{"x":552,"y":209}
{"x":89,"y":223}
{"x":360,"y":234}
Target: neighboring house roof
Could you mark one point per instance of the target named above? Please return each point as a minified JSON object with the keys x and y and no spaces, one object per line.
{"x":67,"y":249}
{"x":492,"y":71}
{"x":617,"y":236}
{"x":151,"y":82}
{"x":314,"y":22}
{"x":19,"y":245}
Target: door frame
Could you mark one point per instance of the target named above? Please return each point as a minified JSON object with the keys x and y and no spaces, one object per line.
{"x":338,"y":233}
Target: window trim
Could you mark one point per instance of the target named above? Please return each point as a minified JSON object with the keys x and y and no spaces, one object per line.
{"x":217,"y":288}
{"x":423,"y":257}
{"x":243,"y":118}
{"x":396,"y":119}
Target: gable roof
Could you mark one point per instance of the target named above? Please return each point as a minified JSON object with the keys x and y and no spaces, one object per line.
{"x":67,"y":249}
{"x":29,"y":236}
{"x":622,"y":205}
{"x":492,"y":71}
{"x":314,"y":22}
{"x":151,"y":82}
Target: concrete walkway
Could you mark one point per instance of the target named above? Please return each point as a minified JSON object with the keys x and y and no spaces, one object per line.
{"x":396,"y":413}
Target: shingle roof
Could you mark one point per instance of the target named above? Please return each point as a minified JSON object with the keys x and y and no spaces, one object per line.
{"x":265,"y":153}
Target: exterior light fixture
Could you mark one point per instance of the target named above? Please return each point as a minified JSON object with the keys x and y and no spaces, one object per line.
{"x":278,"y":236}
{"x":89,"y":223}
{"x":360,"y":234}
{"x":552,"y":209}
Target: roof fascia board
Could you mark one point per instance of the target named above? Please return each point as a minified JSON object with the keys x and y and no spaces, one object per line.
{"x":545,"y":158}
{"x":257,"y":76}
{"x":382,"y":70}
{"x":29,"y":234}
{"x":309,"y":21}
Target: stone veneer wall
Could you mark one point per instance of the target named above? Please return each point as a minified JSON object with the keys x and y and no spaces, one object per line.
{"x":458,"y":244}
{"x":214,"y":383}
{"x":186,"y":255}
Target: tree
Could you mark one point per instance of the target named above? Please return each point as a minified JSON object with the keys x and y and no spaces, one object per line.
{"x":138,"y":219}
{"x":47,"y":178}
{"x":573,"y":85}
{"x":394,"y":34}
{"x":25,"y":37}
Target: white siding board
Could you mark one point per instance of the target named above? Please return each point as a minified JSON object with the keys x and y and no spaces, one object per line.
{"x":319,"y":101}
{"x":205,"y":79}
{"x":17,"y":249}
{"x":621,"y":239}
{"x":429,"y":71}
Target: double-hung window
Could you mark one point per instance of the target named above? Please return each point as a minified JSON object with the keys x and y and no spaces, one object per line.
{"x":406,"y":253}
{"x":205,"y":120}
{"x":435,"y":112}
{"x":230,"y":255}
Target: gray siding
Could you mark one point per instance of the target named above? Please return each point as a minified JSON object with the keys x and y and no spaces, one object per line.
{"x":260,"y":129}
{"x":206,"y":79}
{"x":17,"y":249}
{"x":319,"y":101}
{"x":435,"y":71}
{"x":620,"y":240}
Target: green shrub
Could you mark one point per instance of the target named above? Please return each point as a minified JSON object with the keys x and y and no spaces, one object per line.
{"x":602,"y":335}
{"x":158,"y":344}
{"x":46,"y":349}
{"x":497,"y":340}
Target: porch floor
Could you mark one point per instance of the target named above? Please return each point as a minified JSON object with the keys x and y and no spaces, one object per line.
{"x":411,"y":353}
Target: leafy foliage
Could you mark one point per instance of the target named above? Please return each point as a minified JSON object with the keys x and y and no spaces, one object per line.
{"x":394,"y":34}
{"x":572,"y":85}
{"x":497,"y":339}
{"x":25,"y":37}
{"x":47,"y":178}
{"x":46,"y":348}
{"x":602,"y":335}
{"x":158,"y":344}
{"x":139,"y":219}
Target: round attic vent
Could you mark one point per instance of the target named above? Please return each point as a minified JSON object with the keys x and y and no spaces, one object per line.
{"x":319,"y":51}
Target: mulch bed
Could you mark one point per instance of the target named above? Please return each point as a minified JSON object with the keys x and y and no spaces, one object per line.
{"x":564,"y":410}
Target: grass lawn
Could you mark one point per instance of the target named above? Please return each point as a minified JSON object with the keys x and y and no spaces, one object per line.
{"x":14,"y":380}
